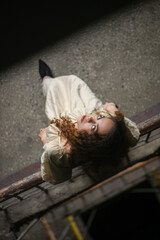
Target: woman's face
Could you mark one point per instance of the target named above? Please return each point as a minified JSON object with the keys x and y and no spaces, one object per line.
{"x":94,"y":123}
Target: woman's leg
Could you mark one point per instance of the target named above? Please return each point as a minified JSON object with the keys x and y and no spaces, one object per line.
{"x":45,"y":84}
{"x":46,"y":76}
{"x":44,"y":70}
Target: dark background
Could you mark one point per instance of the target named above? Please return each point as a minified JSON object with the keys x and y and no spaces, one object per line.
{"x":27,"y":28}
{"x":132,"y":215}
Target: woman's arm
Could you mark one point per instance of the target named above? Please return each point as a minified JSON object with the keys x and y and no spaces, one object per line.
{"x":55,"y":165}
{"x":42,"y":136}
{"x":132,"y":129}
{"x":110,"y":107}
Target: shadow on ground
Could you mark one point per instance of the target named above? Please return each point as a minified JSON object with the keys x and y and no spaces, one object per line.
{"x":28,"y":28}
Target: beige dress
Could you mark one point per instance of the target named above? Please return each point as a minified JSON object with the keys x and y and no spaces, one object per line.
{"x":69,"y":96}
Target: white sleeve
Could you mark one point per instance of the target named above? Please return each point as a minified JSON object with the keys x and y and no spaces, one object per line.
{"x":133,"y":132}
{"x":55,"y":163}
{"x":55,"y":170}
{"x":45,"y":169}
{"x":88,"y":98}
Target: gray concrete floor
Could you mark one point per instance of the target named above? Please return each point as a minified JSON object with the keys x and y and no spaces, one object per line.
{"x":117,"y":55}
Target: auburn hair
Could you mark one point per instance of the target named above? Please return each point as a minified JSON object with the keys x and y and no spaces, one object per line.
{"x":109,"y":148}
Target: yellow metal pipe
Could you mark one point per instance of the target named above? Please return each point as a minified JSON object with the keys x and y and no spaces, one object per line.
{"x":74,"y":228}
{"x":157,"y":176}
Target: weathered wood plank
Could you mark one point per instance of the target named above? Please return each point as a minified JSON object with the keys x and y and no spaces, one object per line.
{"x":82,"y":188}
{"x":109,"y":187}
{"x":42,"y":201}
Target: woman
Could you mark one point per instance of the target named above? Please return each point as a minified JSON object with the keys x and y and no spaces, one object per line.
{"x":81,"y":128}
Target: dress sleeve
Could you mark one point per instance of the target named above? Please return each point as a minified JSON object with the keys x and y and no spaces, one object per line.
{"x":45,"y":169}
{"x":89,"y":99}
{"x":133,"y":132}
{"x":55,"y":170}
{"x":55,"y":162}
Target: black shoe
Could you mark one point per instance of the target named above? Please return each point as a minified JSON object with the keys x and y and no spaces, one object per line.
{"x":44,"y":70}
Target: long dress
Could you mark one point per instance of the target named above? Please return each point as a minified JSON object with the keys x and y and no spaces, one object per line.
{"x":69,"y":96}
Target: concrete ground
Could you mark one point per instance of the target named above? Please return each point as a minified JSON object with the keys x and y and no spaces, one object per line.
{"x":115,"y":50}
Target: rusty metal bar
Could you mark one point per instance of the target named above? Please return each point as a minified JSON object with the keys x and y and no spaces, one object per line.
{"x":20,"y":186}
{"x":34,"y":179}
{"x":149,"y":125}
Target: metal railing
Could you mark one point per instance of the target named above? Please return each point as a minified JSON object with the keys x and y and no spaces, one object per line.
{"x":28,"y":187}
{"x":35,"y":180}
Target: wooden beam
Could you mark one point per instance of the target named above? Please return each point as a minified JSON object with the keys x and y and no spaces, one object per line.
{"x":81,"y":194}
{"x":36,"y":178}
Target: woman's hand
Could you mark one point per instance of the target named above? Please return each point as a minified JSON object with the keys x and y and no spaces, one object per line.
{"x":110,"y":107}
{"x":42,"y":135}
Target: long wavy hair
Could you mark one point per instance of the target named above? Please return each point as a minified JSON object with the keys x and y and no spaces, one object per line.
{"x":108,"y":148}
